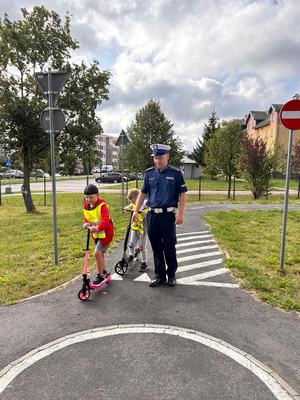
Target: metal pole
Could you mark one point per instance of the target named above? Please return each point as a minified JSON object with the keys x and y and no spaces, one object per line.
{"x":0,"y":192}
{"x":286,"y":199}
{"x":122,"y":168}
{"x":52,"y":148}
{"x":199,"y":187}
{"x":45,"y":191}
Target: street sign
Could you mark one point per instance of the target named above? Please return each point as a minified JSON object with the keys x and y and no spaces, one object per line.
{"x":122,"y":139}
{"x":290,"y":114}
{"x":8,"y":163}
{"x":58,"y":82}
{"x":59,"y":120}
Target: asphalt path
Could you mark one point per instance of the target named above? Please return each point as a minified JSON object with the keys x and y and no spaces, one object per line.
{"x":130,"y":341}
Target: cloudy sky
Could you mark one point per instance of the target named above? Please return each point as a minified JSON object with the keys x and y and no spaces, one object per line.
{"x":191,"y":55}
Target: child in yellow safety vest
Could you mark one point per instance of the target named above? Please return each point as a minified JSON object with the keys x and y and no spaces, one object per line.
{"x":97,"y":219}
{"x":138,"y":234}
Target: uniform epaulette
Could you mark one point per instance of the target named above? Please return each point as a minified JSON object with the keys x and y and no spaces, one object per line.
{"x":176,"y":169}
{"x":150,"y":169}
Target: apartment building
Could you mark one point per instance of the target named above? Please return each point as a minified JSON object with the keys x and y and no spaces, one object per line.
{"x":106,"y":145}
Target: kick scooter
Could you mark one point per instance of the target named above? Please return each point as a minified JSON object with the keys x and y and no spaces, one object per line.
{"x":85,"y":293}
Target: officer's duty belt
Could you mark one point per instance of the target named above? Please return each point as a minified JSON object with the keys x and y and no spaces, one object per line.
{"x":162,"y":210}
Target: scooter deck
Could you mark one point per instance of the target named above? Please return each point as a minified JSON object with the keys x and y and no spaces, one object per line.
{"x":96,"y":287}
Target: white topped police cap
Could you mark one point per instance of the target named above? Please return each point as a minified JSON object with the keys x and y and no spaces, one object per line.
{"x":159,"y":149}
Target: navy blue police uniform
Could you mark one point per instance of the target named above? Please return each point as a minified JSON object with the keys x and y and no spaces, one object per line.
{"x":163,"y":189}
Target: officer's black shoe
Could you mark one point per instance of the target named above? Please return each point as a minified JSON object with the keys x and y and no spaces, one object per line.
{"x":172,"y":282}
{"x":157,"y":282}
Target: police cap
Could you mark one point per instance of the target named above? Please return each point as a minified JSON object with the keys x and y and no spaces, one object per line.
{"x":159,"y":149}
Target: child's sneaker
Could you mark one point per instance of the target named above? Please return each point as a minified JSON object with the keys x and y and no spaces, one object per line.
{"x":143,"y":267}
{"x":98,"y":279}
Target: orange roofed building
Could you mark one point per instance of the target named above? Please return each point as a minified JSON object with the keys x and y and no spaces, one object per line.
{"x":267,"y":126}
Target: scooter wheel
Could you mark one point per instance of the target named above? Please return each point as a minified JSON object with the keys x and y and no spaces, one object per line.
{"x":84,"y":294}
{"x":121,"y":267}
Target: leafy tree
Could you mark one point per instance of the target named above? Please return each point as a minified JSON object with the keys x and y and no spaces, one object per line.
{"x":38,"y":40}
{"x":85,"y":90}
{"x":201,"y":145}
{"x":227,"y":142}
{"x":70,"y":163}
{"x":257,"y":164}
{"x":26,"y":46}
{"x":150,"y":126}
{"x":212,"y":158}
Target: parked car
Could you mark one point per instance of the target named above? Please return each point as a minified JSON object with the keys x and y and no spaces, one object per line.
{"x":39,"y":173}
{"x":11,"y":173}
{"x":111,"y":177}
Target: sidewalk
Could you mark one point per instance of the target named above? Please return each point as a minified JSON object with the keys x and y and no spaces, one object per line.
{"x":157,"y":360}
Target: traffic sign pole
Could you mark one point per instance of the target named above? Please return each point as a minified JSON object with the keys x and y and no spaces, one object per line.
{"x":52,"y":150}
{"x":286,"y":200}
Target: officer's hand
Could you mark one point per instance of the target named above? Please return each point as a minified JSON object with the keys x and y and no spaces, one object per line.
{"x":179,"y":219}
{"x":135,"y":217}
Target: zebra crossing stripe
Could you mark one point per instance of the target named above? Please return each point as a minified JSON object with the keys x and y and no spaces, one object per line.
{"x":191,"y":233}
{"x":204,"y":275}
{"x":181,"y":239}
{"x":212,"y":284}
{"x":143,"y":278}
{"x":190,"y":250}
{"x":116,"y":277}
{"x":198,"y":256}
{"x":202,"y":264}
{"x":195,"y":242}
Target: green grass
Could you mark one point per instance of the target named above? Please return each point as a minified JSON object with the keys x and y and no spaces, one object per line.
{"x":241,"y":199}
{"x":253,"y":241}
{"x":26,"y":247}
{"x":221,"y":184}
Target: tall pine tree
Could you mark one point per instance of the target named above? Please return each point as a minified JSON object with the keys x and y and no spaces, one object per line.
{"x":201,"y":145}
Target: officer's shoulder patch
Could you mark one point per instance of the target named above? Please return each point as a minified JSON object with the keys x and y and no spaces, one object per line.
{"x":150,"y":169}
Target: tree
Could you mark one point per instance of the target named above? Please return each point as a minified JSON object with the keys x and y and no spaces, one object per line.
{"x":198,"y":152}
{"x":85,"y":90}
{"x":26,"y":46}
{"x":226,"y":143}
{"x":296,"y":163}
{"x":212,"y":158}
{"x":257,"y":165}
{"x":150,"y":126}
{"x":208,"y":132}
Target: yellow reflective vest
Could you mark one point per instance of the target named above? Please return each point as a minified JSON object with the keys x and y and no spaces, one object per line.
{"x":94,"y":217}
{"x":138,"y":226}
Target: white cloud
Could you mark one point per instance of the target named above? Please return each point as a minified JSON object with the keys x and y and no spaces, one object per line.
{"x":193,"y":56}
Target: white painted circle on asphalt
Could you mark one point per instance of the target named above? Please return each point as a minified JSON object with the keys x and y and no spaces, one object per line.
{"x":274,"y":383}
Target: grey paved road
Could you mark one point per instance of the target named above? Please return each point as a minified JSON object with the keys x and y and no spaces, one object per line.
{"x":131,"y":363}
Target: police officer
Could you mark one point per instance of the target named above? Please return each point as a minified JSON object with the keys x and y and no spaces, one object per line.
{"x":166,"y":190}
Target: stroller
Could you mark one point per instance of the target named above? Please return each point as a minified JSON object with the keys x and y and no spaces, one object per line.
{"x":122,"y":266}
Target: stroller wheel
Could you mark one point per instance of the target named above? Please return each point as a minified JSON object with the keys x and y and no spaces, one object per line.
{"x":84,"y":294}
{"x":121,"y":267}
